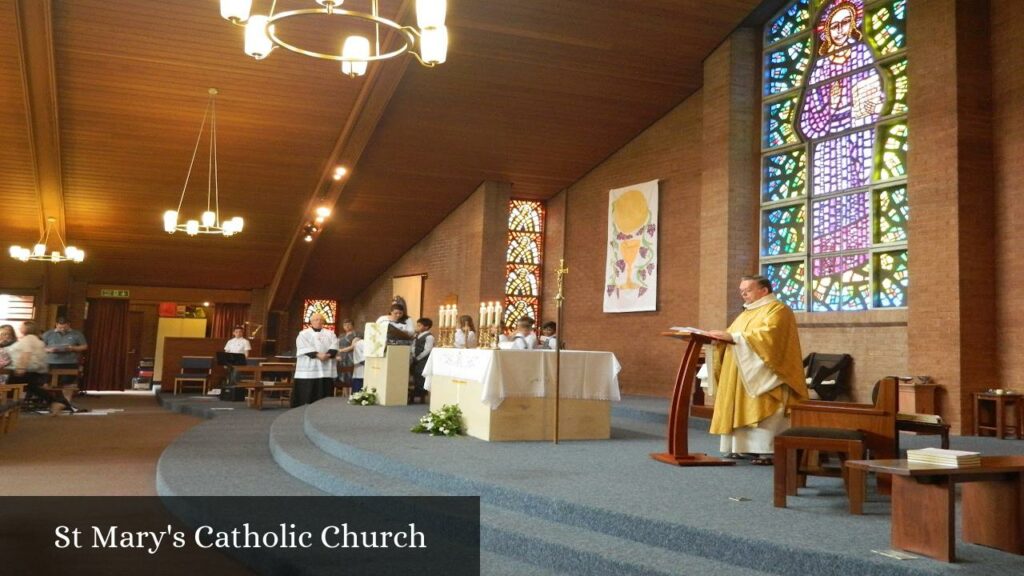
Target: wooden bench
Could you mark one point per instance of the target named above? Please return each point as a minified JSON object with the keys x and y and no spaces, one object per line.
{"x":55,"y":389}
{"x":10,"y":405}
{"x":789,"y":446}
{"x":258,"y":389}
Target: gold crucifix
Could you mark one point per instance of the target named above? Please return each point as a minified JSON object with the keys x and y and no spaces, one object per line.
{"x":561,"y":272}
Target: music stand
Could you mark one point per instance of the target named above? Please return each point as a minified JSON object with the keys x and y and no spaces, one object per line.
{"x":230,"y":359}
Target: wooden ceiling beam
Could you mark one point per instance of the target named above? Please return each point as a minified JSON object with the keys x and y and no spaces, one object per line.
{"x":382,"y":81}
{"x":35,"y":46}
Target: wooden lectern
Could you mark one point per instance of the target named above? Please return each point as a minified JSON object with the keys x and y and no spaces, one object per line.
{"x":678,"y":431}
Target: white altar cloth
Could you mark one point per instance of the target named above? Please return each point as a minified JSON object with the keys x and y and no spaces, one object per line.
{"x":528,"y":373}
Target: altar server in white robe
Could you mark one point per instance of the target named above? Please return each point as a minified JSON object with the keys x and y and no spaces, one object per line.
{"x":524,"y":338}
{"x":315,"y":368}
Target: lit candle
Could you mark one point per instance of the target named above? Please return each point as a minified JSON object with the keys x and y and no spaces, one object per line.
{"x":440,"y":315}
{"x":497,"y":314}
{"x":447,"y":316}
{"x":490,"y":313}
{"x":455,"y":317}
{"x":483,"y":315}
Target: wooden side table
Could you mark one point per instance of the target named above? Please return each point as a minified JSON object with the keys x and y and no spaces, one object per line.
{"x":917,"y":398}
{"x":924,"y":502}
{"x":1000,"y":403}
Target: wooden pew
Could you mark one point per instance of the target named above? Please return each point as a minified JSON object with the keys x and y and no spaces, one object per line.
{"x":10,"y":405}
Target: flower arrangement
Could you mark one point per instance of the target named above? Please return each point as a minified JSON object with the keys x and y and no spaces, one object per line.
{"x":366,"y":397}
{"x":444,"y":422}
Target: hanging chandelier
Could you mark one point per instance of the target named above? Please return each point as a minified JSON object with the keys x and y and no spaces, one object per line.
{"x":428,"y":43}
{"x":209,"y":222}
{"x":41,"y":249}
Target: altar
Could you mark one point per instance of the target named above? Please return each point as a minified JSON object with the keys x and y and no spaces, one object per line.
{"x":508,"y":395}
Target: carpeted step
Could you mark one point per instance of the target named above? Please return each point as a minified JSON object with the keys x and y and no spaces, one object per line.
{"x":506,"y":535}
{"x":570,"y":550}
{"x":226,"y":456}
{"x":493,"y":564}
{"x":296,"y":455}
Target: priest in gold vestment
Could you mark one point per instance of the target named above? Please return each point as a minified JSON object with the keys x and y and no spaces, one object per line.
{"x":757,"y":375}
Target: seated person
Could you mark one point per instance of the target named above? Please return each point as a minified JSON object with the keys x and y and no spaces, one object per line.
{"x":399,"y":319}
{"x":524,"y":338}
{"x":238,"y":343}
{"x":548,"y":341}
{"x":28,"y":360}
{"x":421,"y":348}
{"x":465,"y":334}
{"x":7,"y":338}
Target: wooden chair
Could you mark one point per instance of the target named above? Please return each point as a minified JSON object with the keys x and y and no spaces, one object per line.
{"x":855,"y":431}
{"x":195,"y":372}
{"x":828,"y":374}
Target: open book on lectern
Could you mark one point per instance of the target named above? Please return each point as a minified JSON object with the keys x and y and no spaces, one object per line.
{"x":697,"y":331}
{"x":691,"y":330}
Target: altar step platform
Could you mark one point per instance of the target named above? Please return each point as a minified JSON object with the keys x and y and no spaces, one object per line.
{"x":588,"y":507}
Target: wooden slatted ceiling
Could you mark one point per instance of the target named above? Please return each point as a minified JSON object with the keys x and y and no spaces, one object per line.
{"x":132,"y":90}
{"x":20,"y":204}
{"x":535,"y":93}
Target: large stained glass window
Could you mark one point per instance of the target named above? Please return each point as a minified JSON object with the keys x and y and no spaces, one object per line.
{"x":834,"y":207}
{"x":329,"y":308}
{"x":523,"y":257}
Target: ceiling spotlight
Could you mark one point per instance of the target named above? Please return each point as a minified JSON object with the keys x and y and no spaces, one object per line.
{"x":308,"y":237}
{"x":323,"y":212}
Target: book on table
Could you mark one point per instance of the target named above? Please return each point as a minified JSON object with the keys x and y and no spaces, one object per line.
{"x":924,"y":418}
{"x":941,"y":457}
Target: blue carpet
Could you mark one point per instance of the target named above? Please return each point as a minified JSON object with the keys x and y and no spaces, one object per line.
{"x":599,"y":507}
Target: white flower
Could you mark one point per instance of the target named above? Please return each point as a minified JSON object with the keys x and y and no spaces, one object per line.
{"x":364,"y":402}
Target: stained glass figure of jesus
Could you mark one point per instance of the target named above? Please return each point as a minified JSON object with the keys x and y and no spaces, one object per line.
{"x":844,"y":92}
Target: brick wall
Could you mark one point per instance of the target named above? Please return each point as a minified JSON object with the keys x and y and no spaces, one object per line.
{"x":462,"y":257}
{"x":669,"y":150}
{"x":952,"y":296}
{"x":1008,"y":149}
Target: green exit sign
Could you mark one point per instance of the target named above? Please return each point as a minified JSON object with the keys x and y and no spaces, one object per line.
{"x":109,"y":293}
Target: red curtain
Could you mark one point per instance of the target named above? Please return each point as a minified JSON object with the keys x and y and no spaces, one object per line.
{"x":106,"y":330}
{"x":226,"y":317}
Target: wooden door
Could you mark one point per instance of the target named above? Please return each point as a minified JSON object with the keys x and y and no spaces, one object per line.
{"x":136,"y":321}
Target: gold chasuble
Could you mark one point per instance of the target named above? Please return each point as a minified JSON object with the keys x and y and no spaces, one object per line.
{"x":757,"y":378}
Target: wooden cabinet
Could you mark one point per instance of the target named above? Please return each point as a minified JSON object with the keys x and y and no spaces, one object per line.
{"x":175,"y":328}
